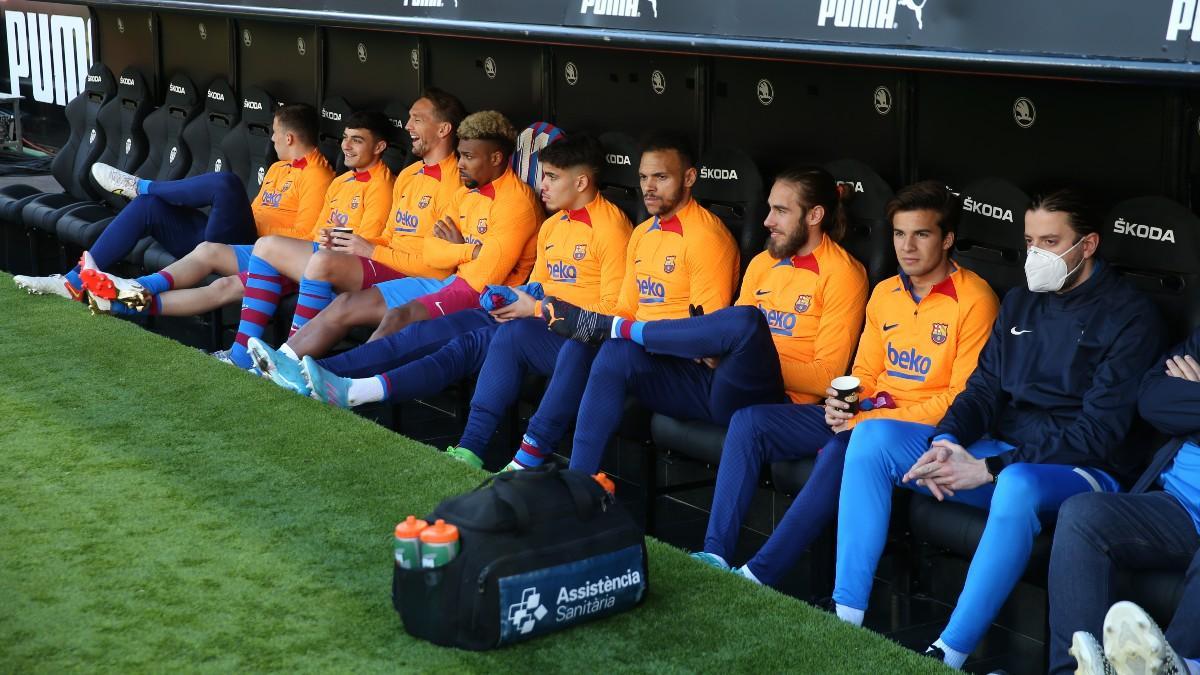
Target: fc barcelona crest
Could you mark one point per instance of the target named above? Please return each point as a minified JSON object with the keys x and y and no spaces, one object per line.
{"x":580,"y":251}
{"x":940,"y":332}
{"x":424,"y":203}
{"x":803,"y":303}
{"x":287,"y":186}
{"x":355,"y":202}
{"x":669,"y":264}
{"x":481,"y":226}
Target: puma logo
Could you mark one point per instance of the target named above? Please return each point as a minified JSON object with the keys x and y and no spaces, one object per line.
{"x":916,"y":9}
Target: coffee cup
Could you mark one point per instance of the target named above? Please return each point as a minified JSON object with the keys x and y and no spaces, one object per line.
{"x":847,"y":387}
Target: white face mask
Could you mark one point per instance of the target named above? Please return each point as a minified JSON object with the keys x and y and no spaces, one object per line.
{"x":1045,"y":271}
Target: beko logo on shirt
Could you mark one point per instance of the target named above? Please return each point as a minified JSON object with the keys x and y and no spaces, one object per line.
{"x":331,"y":115}
{"x":867,"y":13}
{"x":912,"y":364}
{"x":1122,"y":226}
{"x":251,"y":105}
{"x":562,"y":272}
{"x":627,"y":8}
{"x":780,"y":323}
{"x":176,"y":89}
{"x":718,"y":174}
{"x":651,"y":290}
{"x":987,"y":210}
{"x":1184,"y":18}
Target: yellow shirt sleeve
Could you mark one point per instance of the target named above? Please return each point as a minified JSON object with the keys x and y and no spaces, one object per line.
{"x":539,"y":273}
{"x":440,"y":253}
{"x":511,"y":227}
{"x":712,"y":272}
{"x":627,"y":302}
{"x":976,"y":327}
{"x":611,"y":250}
{"x":314,"y":188}
{"x":845,"y":295}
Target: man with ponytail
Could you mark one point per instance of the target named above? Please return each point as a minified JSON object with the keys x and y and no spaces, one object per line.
{"x":924,"y":330}
{"x":791,"y":332}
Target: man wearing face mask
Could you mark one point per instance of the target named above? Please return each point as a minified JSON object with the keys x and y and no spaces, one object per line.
{"x":1040,"y":420}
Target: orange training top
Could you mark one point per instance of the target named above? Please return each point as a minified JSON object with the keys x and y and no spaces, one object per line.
{"x":690,"y":258}
{"x":420,"y":197}
{"x":581,"y":255}
{"x":923,"y":352}
{"x":360,"y":200}
{"x":814,"y":307}
{"x":503,"y":216}
{"x":292,"y":196}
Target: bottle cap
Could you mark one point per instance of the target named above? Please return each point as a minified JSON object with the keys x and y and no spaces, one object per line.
{"x":410,"y":527}
{"x":606,"y":483}
{"x":440,"y":532}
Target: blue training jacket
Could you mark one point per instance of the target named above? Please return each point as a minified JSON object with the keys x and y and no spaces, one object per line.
{"x":1059,"y":375}
{"x":1172,"y":404}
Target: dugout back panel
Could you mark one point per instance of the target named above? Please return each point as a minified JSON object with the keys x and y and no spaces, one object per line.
{"x":129,"y":38}
{"x":488,"y":75}
{"x":601,"y":90}
{"x":197,"y":46}
{"x":281,"y":58}
{"x":782,"y":114}
{"x":371,"y":69}
{"x":1040,"y":133}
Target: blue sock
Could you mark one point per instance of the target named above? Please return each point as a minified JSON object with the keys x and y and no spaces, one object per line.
{"x":530,"y":455}
{"x":72,"y":278}
{"x":143,"y":186}
{"x":628,"y":330}
{"x":159,"y":282}
{"x":314,"y":297}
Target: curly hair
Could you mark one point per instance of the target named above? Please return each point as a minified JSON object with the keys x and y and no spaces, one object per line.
{"x":489,"y":125}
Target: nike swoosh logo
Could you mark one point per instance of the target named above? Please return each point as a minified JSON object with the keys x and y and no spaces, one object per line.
{"x":549,"y":246}
{"x":637,"y":261}
{"x":889,"y":326}
{"x":439,"y":306}
{"x":761,"y":292}
{"x":1014,"y":331}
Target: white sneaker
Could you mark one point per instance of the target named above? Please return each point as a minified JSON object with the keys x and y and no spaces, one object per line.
{"x":103,"y":289}
{"x":113,"y":180}
{"x":55,"y":284}
{"x":1089,"y":655}
{"x":1134,"y":644}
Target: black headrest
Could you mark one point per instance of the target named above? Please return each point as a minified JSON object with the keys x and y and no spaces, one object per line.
{"x":99,"y":82}
{"x":397,"y":114}
{"x":131,"y":86}
{"x":867,"y":193}
{"x":1153,"y":234}
{"x":258,"y":107}
{"x":620,"y":151}
{"x":334,"y":112}
{"x":728,"y":176}
{"x":219,"y":99}
{"x":993,"y":214}
{"x":181,"y":93}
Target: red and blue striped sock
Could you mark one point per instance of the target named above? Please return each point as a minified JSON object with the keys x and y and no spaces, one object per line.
{"x":530,"y":455}
{"x":628,"y":330}
{"x":315,"y":296}
{"x":263,"y":286}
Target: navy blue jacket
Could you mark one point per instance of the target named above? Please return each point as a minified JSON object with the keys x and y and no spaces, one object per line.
{"x":1172,"y":404}
{"x":1058,"y":378}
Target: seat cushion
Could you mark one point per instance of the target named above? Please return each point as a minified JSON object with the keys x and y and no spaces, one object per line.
{"x":42,"y":212}
{"x":696,"y":440}
{"x":80,"y":226}
{"x":156,"y":258}
{"x":13,"y":198}
{"x":790,"y":476}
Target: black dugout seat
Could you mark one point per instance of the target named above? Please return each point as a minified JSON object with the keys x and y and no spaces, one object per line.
{"x":868,"y":232}
{"x":71,"y":164}
{"x":120,"y":122}
{"x":730,"y":185}
{"x":248,"y":148}
{"x":335,"y":110}
{"x":167,"y":159}
{"x":991,"y":234}
{"x":399,"y":152}
{"x":1154,"y":243}
{"x":204,"y":135}
{"x":619,"y":179}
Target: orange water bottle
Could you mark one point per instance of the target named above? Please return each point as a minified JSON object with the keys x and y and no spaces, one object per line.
{"x":408,"y":542}
{"x":439,"y":544}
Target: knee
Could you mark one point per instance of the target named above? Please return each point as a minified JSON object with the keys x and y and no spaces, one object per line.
{"x":143,"y":206}
{"x":267,"y":246}
{"x":745,"y":319}
{"x":614,"y":356}
{"x":340,"y":307}
{"x":227,"y":289}
{"x":322,"y":266}
{"x":869,"y":440}
{"x":210,"y":252}
{"x":743,"y":427}
{"x":1081,"y":513}
{"x":1016,"y":491}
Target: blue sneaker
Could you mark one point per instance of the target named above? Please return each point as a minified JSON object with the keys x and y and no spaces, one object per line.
{"x":711,"y":559}
{"x":324,"y":385}
{"x":277,"y":367}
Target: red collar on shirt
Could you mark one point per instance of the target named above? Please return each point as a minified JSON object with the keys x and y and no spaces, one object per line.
{"x":581,"y":215}
{"x":433,"y":171}
{"x":672,"y":224}
{"x":300,"y":163}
